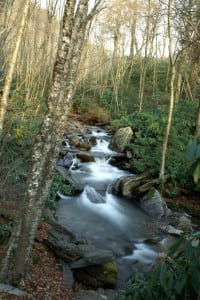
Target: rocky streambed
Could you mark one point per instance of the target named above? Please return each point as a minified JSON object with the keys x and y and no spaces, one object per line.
{"x":117,"y":223}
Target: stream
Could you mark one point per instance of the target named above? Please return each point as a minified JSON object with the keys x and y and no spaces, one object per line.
{"x":106,"y":220}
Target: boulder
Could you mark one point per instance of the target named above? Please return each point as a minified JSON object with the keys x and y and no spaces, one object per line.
{"x":104,"y":276}
{"x":85,"y":157}
{"x":67,"y":275}
{"x":85,"y":146}
{"x":65,"y":173}
{"x":185,"y":224}
{"x":134,"y":185}
{"x":77,"y":254}
{"x":171,"y":230}
{"x":93,"y":195}
{"x":6,"y":288}
{"x":93,"y":141}
{"x":74,"y":140}
{"x":103,"y":294}
{"x":121,"y":139}
{"x":154,"y":205}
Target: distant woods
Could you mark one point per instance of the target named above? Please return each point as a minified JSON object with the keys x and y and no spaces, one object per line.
{"x":137,"y":55}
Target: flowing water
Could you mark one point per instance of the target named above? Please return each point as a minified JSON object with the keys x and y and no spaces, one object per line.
{"x":109,"y":221}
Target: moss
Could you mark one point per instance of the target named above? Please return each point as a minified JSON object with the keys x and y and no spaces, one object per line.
{"x":98,"y":276}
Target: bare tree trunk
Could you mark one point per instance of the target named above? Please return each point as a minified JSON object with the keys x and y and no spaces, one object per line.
{"x":197,"y":135}
{"x":47,"y":144}
{"x":144,"y":63}
{"x":2,"y":3}
{"x":172,"y":59}
{"x":9,"y":76}
{"x":169,"y":121}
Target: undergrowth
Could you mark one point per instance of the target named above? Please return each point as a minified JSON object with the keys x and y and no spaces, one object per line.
{"x":175,"y":276}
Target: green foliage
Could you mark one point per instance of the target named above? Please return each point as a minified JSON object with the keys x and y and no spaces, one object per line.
{"x":5,"y":232}
{"x":176,"y":276}
{"x":193,"y":155}
{"x":26,"y":117}
{"x":149,"y":127}
{"x":60,"y":184}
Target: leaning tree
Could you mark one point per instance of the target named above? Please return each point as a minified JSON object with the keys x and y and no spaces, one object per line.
{"x":76,"y":16}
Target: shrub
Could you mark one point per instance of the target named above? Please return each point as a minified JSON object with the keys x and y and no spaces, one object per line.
{"x":146,"y":148}
{"x":177,"y":276}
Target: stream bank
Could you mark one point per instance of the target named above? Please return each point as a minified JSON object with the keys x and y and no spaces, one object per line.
{"x":109,"y":221}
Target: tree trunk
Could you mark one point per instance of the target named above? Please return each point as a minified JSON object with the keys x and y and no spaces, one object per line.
{"x":172,"y":59}
{"x":9,"y":76}
{"x":144,"y":63}
{"x":47,"y":144}
{"x":169,"y":121}
{"x":197,"y":135}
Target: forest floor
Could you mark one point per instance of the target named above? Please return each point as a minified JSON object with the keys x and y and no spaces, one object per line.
{"x":45,"y":280}
{"x":189,"y":203}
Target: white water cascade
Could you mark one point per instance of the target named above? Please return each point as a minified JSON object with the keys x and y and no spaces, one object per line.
{"x":109,"y":221}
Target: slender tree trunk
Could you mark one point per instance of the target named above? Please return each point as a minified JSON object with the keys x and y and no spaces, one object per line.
{"x":47,"y":144}
{"x":144,"y":63}
{"x":172,"y":59}
{"x":9,"y":76}
{"x":178,"y":87}
{"x":133,"y":37}
{"x":197,"y":135}
{"x":169,"y":121}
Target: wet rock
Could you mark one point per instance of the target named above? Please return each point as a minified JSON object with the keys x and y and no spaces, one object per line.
{"x":93,"y":141}
{"x":64,"y":172}
{"x":85,"y":146}
{"x":91,"y":256}
{"x":6,"y":288}
{"x":154,"y":205}
{"x":171,"y":230}
{"x":77,"y":254}
{"x":67,"y":274}
{"x":185,"y":224}
{"x":166,"y":243}
{"x":121,"y":139}
{"x":130,"y":186}
{"x":98,"y":276}
{"x":85,"y":157}
{"x":94,"y":196}
{"x":74,"y":140}
{"x":99,"y":294}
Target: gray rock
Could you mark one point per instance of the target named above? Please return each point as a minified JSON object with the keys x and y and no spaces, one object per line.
{"x":134,"y":185}
{"x":65,"y":173}
{"x":6,"y":288}
{"x":98,"y":276}
{"x":121,"y":139}
{"x":166,"y":243}
{"x":94,"y":196}
{"x":74,"y":140}
{"x":67,"y":274}
{"x":75,"y":253}
{"x":85,"y":157}
{"x":99,"y":294}
{"x":92,"y":257}
{"x":154,"y":205}
{"x":171,"y":230}
{"x":185,"y":224}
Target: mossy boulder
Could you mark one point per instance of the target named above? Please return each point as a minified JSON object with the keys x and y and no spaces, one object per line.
{"x":97,"y":276}
{"x":121,"y":139}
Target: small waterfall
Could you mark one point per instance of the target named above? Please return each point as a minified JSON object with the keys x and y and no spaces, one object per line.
{"x":109,"y":221}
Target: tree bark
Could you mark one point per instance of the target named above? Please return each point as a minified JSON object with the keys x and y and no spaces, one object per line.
{"x":47,"y":144}
{"x":172,"y":59}
{"x":144,"y":63}
{"x":197,"y":135}
{"x":9,"y":76}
